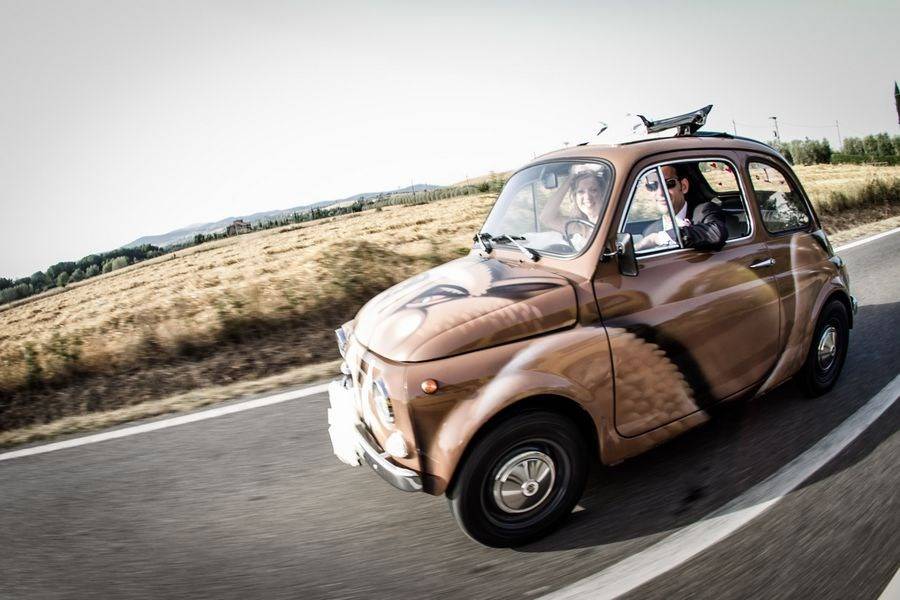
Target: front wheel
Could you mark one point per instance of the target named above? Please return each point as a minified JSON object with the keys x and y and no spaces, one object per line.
{"x":520,"y":480}
{"x":827,"y":351}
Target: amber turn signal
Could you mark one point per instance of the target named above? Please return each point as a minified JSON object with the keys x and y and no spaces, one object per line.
{"x":429,"y":386}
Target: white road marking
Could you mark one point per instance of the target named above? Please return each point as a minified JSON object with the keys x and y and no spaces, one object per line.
{"x":871,"y":238}
{"x":689,"y":541}
{"x":892,"y":591}
{"x":165,"y":423}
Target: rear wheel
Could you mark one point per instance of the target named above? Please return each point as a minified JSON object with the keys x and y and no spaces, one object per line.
{"x":827,"y":351}
{"x":520,"y":480}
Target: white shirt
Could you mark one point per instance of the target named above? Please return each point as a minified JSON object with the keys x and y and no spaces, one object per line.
{"x":662,"y":238}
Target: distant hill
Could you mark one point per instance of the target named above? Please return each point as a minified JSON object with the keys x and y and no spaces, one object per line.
{"x":187,"y":233}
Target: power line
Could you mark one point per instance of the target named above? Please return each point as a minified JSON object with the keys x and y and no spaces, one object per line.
{"x":810,"y":126}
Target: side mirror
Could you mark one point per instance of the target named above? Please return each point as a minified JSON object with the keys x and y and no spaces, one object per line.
{"x":625,"y":253}
{"x":550,"y":180}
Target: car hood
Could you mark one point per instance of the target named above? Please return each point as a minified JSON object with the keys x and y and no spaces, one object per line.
{"x":467,"y":304}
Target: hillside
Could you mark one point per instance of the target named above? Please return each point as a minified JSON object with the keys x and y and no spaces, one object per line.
{"x":187,"y":233}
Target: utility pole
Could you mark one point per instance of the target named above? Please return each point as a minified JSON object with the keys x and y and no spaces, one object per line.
{"x":734,"y":126}
{"x":777,"y":135}
{"x":840,"y":141}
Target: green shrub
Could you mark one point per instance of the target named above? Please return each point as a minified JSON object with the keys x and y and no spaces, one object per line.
{"x":853,"y":146}
{"x":116,"y":263}
{"x":40,"y":281}
{"x":862,"y":159}
{"x":66,"y":349}
{"x":884,"y":145}
{"x":784,"y":149}
{"x":871,"y":145}
{"x":33,"y":369}
{"x":878,"y":148}
{"x":874,"y":193}
{"x":809,"y":152}
{"x":17,"y":292}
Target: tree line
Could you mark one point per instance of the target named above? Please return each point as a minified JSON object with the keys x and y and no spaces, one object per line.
{"x":61,"y":274}
{"x":879,"y":148}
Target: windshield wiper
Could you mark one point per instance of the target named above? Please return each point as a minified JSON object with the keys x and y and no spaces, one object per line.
{"x":485,"y":240}
{"x":529,"y":252}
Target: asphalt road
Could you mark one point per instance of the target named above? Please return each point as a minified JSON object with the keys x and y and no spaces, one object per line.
{"x":254,"y":505}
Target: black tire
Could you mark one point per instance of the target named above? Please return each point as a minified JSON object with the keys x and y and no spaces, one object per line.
{"x":478,"y":497}
{"x":818,"y":374}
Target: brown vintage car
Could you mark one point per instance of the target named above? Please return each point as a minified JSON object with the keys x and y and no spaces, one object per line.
{"x":585,"y":326}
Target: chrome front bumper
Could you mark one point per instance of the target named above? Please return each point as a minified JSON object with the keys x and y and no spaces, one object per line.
{"x":352,"y":442}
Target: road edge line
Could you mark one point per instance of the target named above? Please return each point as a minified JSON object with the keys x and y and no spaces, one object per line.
{"x":866,"y":240}
{"x":689,"y":541}
{"x":892,"y":590}
{"x":202,"y":415}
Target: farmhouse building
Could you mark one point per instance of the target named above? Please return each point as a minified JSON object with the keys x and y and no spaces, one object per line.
{"x":237,"y":227}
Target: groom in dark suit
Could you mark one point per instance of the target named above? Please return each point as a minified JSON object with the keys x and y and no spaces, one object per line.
{"x":704,"y":230}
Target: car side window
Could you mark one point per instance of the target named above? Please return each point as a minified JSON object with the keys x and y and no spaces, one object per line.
{"x":672,"y":191}
{"x":649,"y":218}
{"x":723,"y":189}
{"x":780,"y":204}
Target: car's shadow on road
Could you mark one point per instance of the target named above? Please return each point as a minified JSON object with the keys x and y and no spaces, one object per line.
{"x":744,"y":443}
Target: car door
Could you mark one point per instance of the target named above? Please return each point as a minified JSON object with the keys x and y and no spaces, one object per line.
{"x":799,"y":249}
{"x":693,"y":327}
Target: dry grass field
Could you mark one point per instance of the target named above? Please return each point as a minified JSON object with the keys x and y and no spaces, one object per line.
{"x":821,"y":182}
{"x":251,"y":306}
{"x":239,"y":308}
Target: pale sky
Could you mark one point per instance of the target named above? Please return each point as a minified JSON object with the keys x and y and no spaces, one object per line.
{"x":131,"y":118}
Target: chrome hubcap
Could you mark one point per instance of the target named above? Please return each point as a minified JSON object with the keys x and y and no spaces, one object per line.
{"x":827,"y":350}
{"x":524,"y":482}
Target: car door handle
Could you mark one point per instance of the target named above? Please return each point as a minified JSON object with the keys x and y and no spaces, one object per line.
{"x":763,"y":263}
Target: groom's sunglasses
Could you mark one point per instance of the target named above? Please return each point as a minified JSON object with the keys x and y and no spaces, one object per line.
{"x":652,"y":186}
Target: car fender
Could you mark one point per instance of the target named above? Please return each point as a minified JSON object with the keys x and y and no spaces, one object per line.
{"x":563,"y":371}
{"x":799,"y":339}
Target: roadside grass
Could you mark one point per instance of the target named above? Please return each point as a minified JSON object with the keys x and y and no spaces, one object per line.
{"x":259,"y":305}
{"x":193,"y":400}
{"x":864,"y":230}
{"x":834,"y":188}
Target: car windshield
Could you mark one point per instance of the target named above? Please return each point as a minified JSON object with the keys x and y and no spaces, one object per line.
{"x":551,"y":208}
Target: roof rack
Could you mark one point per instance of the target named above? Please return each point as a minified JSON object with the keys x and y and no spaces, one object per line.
{"x":687,"y":124}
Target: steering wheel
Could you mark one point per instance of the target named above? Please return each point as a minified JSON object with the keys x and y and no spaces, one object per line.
{"x":567,"y":235}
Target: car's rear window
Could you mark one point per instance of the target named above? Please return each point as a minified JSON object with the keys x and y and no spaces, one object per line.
{"x":780,"y":204}
{"x":719,"y":176}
